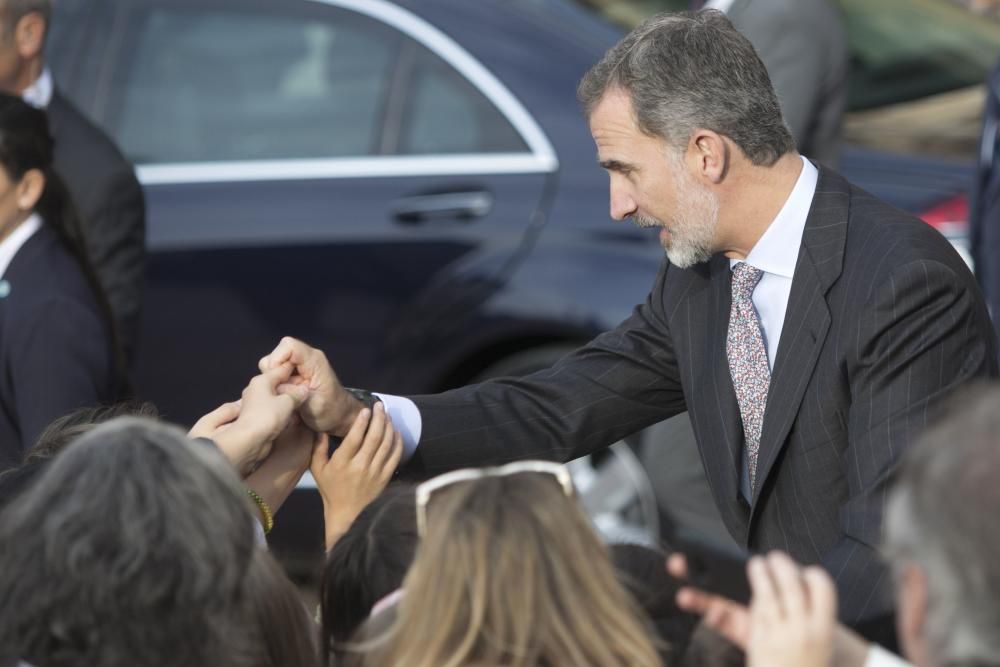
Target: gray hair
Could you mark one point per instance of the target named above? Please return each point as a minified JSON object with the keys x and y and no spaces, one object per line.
{"x":131,"y":548}
{"x":686,"y":71}
{"x":942,"y":516}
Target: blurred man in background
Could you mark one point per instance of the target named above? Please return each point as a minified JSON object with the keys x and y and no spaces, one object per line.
{"x":103,"y":184}
{"x":804,"y":47}
{"x":984,"y":200}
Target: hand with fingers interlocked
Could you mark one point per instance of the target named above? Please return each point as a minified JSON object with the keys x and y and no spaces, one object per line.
{"x":245,"y":429}
{"x":328,"y":407}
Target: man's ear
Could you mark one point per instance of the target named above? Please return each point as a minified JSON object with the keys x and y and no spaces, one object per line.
{"x":29,"y":189}
{"x":710,"y":153}
{"x":29,"y":35}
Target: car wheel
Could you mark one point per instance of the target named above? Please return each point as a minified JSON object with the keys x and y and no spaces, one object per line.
{"x":613,"y":486}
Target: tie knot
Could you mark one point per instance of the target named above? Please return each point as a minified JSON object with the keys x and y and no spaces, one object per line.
{"x":745,"y":279}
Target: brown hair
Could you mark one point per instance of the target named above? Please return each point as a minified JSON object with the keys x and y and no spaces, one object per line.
{"x":511,"y":573}
{"x":278,"y":617}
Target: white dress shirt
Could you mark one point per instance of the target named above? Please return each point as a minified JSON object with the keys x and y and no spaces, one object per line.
{"x":10,"y":245}
{"x":879,"y":657}
{"x":775,"y":254}
{"x":39,"y":94}
{"x":722,"y":5}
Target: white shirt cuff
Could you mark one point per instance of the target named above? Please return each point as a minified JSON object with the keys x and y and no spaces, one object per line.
{"x":879,"y":657}
{"x":406,"y":419}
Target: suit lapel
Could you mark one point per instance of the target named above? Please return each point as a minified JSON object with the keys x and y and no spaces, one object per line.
{"x":807,"y":318}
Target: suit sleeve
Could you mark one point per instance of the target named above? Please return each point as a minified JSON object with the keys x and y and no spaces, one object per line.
{"x":922,"y":334}
{"x":116,"y":242}
{"x":617,"y":384}
{"x":61,"y":362}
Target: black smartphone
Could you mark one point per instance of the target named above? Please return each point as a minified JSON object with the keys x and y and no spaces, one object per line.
{"x":714,"y":567}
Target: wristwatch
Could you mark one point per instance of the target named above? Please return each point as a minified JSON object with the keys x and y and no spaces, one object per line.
{"x":367,"y":398}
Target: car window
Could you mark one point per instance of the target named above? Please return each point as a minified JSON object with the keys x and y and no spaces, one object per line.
{"x":208,"y":85}
{"x":444,"y":113}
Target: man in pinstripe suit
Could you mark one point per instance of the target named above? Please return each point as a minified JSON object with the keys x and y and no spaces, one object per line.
{"x":807,"y":327}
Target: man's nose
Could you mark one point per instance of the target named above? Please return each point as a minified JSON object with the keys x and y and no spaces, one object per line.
{"x":622,"y":204}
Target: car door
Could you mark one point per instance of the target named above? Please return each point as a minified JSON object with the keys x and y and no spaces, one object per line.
{"x":311,"y":168}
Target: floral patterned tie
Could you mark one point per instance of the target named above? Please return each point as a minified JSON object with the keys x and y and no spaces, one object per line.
{"x":748,"y":360}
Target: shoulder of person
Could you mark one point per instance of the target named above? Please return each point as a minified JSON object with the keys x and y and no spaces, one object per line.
{"x":78,"y":138}
{"x":44,"y":274}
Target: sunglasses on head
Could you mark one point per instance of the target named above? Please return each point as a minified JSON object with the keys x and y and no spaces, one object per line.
{"x":427,"y":489}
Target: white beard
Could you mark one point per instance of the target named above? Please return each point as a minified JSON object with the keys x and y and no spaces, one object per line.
{"x":692,"y":229}
{"x":693,"y":223}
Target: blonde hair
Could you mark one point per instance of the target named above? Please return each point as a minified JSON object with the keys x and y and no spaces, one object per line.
{"x":511,"y":573}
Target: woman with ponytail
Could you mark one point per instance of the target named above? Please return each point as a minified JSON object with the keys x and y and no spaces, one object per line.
{"x":58,"y":349}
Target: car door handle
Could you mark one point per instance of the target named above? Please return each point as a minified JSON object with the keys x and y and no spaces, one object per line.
{"x":461,"y":206}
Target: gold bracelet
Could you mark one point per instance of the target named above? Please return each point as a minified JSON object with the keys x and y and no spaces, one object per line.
{"x":265,"y":510}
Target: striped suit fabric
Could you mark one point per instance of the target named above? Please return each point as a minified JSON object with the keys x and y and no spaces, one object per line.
{"x":884,"y":320}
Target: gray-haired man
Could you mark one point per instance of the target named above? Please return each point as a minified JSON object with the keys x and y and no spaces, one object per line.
{"x":806,"y":326}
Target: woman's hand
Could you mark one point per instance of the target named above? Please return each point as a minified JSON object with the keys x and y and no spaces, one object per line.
{"x":358,"y":469}
{"x":793,"y":619}
{"x":246,"y":429}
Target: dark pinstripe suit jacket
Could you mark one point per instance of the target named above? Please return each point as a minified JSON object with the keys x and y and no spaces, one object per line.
{"x":883,"y":320}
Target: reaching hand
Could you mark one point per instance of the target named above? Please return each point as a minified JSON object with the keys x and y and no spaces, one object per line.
{"x":735,"y":622}
{"x":328,"y":407}
{"x":792,"y":615}
{"x":727,"y":618}
{"x":357,"y":471}
{"x":245,"y":430}
{"x":215,"y":421}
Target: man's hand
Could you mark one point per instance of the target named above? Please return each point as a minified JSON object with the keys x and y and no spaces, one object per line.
{"x":244,"y":430}
{"x":357,"y":471}
{"x":793,"y":615}
{"x":328,"y":407}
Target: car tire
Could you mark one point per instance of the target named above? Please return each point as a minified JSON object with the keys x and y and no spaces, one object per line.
{"x":612,"y":484}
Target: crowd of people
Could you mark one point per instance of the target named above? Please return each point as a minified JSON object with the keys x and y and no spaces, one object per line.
{"x":126,"y":541}
{"x":856,"y":458}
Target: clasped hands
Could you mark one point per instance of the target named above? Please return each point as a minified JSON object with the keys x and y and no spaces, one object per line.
{"x":281,"y":426}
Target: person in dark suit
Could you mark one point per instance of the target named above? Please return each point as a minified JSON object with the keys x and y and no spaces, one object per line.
{"x":57,"y":344}
{"x":807,"y":327}
{"x":103,"y":184}
{"x":803,"y":44}
{"x":984,"y":200}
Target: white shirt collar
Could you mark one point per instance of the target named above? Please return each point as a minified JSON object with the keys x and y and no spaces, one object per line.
{"x":39,"y":94}
{"x":777,"y":250}
{"x":10,"y":245}
{"x":722,"y":5}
